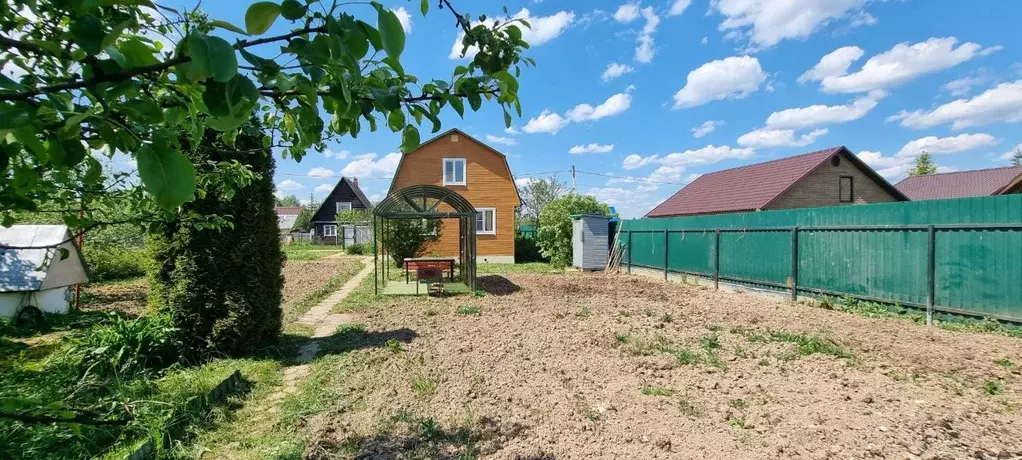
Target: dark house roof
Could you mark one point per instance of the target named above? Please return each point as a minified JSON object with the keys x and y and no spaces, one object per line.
{"x":961,"y":184}
{"x":353,"y":185}
{"x":753,"y":187}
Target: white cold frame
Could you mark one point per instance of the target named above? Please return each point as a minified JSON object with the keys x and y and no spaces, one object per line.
{"x":454,"y":171}
{"x":486,"y":221}
{"x":343,"y":206}
{"x":329,"y":230}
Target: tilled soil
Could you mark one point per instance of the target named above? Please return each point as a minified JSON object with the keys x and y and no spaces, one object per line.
{"x":595,"y":366}
{"x":303,"y":277}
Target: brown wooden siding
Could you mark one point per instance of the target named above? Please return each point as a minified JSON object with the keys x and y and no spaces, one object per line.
{"x":489,"y":185}
{"x":821,"y":188}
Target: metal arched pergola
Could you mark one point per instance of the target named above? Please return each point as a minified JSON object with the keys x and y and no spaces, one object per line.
{"x":423,"y":202}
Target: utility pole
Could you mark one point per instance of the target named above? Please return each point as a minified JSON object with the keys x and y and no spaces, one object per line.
{"x":573,"y":178}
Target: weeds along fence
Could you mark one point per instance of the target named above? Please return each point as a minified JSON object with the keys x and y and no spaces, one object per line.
{"x":958,"y":257}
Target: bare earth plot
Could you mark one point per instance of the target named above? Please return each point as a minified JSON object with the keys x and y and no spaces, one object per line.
{"x":574,"y":367}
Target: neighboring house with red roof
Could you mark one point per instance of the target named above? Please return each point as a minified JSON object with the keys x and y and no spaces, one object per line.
{"x":830,"y":177}
{"x":961,"y":184}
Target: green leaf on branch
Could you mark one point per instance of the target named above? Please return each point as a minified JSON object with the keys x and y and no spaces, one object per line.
{"x":260,"y":17}
{"x":372,"y":34}
{"x":88,"y":33}
{"x":424,"y":6}
{"x":166,"y":174}
{"x":391,"y":33}
{"x":13,"y":116}
{"x":143,"y":110}
{"x":458,"y":104}
{"x":293,"y":10}
{"x":396,"y":120}
{"x":66,"y":153}
{"x":264,"y":65}
{"x":211,"y":56}
{"x":230,"y":103}
{"x":409,"y":139}
{"x":227,"y":26}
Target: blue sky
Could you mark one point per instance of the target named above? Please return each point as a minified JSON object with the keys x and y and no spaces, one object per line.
{"x":628,"y":85}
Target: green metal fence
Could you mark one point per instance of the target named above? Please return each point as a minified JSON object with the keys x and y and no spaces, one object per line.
{"x":961,"y":256}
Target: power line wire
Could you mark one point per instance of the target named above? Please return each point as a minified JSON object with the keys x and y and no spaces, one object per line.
{"x":636,"y":179}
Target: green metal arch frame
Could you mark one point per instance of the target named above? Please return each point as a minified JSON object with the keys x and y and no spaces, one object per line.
{"x":414,"y":196}
{"x":413,"y":202}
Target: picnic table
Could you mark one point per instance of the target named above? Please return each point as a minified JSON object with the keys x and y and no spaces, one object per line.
{"x":412,"y":263}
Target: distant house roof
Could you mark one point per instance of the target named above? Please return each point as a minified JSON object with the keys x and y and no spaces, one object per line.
{"x":961,"y":184}
{"x":353,"y":183}
{"x":286,"y":216}
{"x":753,"y":187}
{"x":28,"y":269}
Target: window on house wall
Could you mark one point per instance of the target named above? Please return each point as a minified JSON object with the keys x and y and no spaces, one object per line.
{"x":486,"y":221}
{"x":454,"y":171}
{"x":343,"y":206}
{"x":329,"y":230}
{"x":845,"y":189}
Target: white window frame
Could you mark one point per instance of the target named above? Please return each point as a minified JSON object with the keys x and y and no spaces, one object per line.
{"x":464,"y":171}
{"x":330,"y":230}
{"x":493,"y":212}
{"x":339,"y":208}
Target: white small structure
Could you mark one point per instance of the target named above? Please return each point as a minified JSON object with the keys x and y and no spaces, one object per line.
{"x":590,"y":242}
{"x":38,"y":278}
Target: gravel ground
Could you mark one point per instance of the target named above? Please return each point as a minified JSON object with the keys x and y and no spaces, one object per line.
{"x":594,"y":366}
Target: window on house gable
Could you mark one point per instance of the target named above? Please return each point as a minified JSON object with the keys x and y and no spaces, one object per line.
{"x":486,"y":221}
{"x":454,"y":171}
{"x":846,"y":190}
{"x":343,"y":206}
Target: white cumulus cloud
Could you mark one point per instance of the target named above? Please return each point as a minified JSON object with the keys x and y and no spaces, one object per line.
{"x":288,"y":185}
{"x":546,"y":122}
{"x":405,"y":18}
{"x":336,"y":154}
{"x":614,"y":105}
{"x":615,"y":70}
{"x":707,"y":127}
{"x":627,"y":13}
{"x":321,"y":173}
{"x":704,"y":156}
{"x":767,"y":138}
{"x":947,"y":145}
{"x":767,"y":22}
{"x":894,"y":67}
{"x":543,"y":30}
{"x":1000,"y":104}
{"x":590,"y":148}
{"x":678,"y":7}
{"x":820,"y":115}
{"x":733,"y":77}
{"x":369,"y":165}
{"x":644,"y":51}
{"x":323,"y":188}
{"x":890,"y":167}
{"x":500,"y":140}
{"x":635,"y":161}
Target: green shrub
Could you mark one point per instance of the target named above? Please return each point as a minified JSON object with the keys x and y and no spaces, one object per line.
{"x":406,"y":238}
{"x":554,"y":234}
{"x":358,"y":249}
{"x":108,"y":263}
{"x":527,"y":250}
{"x":119,"y":346}
{"x":222,"y":287}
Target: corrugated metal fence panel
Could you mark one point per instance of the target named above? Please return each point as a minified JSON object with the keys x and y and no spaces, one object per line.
{"x":755,"y":256}
{"x":977,"y":271}
{"x":691,"y":252}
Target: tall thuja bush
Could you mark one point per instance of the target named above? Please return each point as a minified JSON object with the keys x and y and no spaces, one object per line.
{"x":554,"y":234}
{"x":222,"y":287}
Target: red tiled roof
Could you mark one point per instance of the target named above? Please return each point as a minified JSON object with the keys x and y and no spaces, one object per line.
{"x":980,"y":182}
{"x":287,"y":210}
{"x":751,"y":187}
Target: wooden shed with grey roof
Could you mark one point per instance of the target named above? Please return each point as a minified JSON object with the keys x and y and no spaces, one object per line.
{"x":590,"y":241}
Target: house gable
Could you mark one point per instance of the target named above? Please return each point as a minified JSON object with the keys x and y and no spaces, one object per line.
{"x":822,"y":185}
{"x":346,"y":190}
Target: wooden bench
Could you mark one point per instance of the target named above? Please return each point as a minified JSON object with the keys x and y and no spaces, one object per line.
{"x":443,"y":263}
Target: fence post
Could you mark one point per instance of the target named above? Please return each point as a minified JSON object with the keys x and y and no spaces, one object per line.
{"x":931,"y":263}
{"x":665,"y":254}
{"x":794,"y":264}
{"x":629,"y":249}
{"x":716,"y":259}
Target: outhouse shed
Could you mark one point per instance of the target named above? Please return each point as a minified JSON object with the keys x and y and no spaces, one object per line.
{"x":590,"y":241}
{"x":35,"y":275}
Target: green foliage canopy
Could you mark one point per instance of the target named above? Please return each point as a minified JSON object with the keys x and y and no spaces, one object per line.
{"x":924,"y":165}
{"x":95,"y":79}
{"x":554,"y":233}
